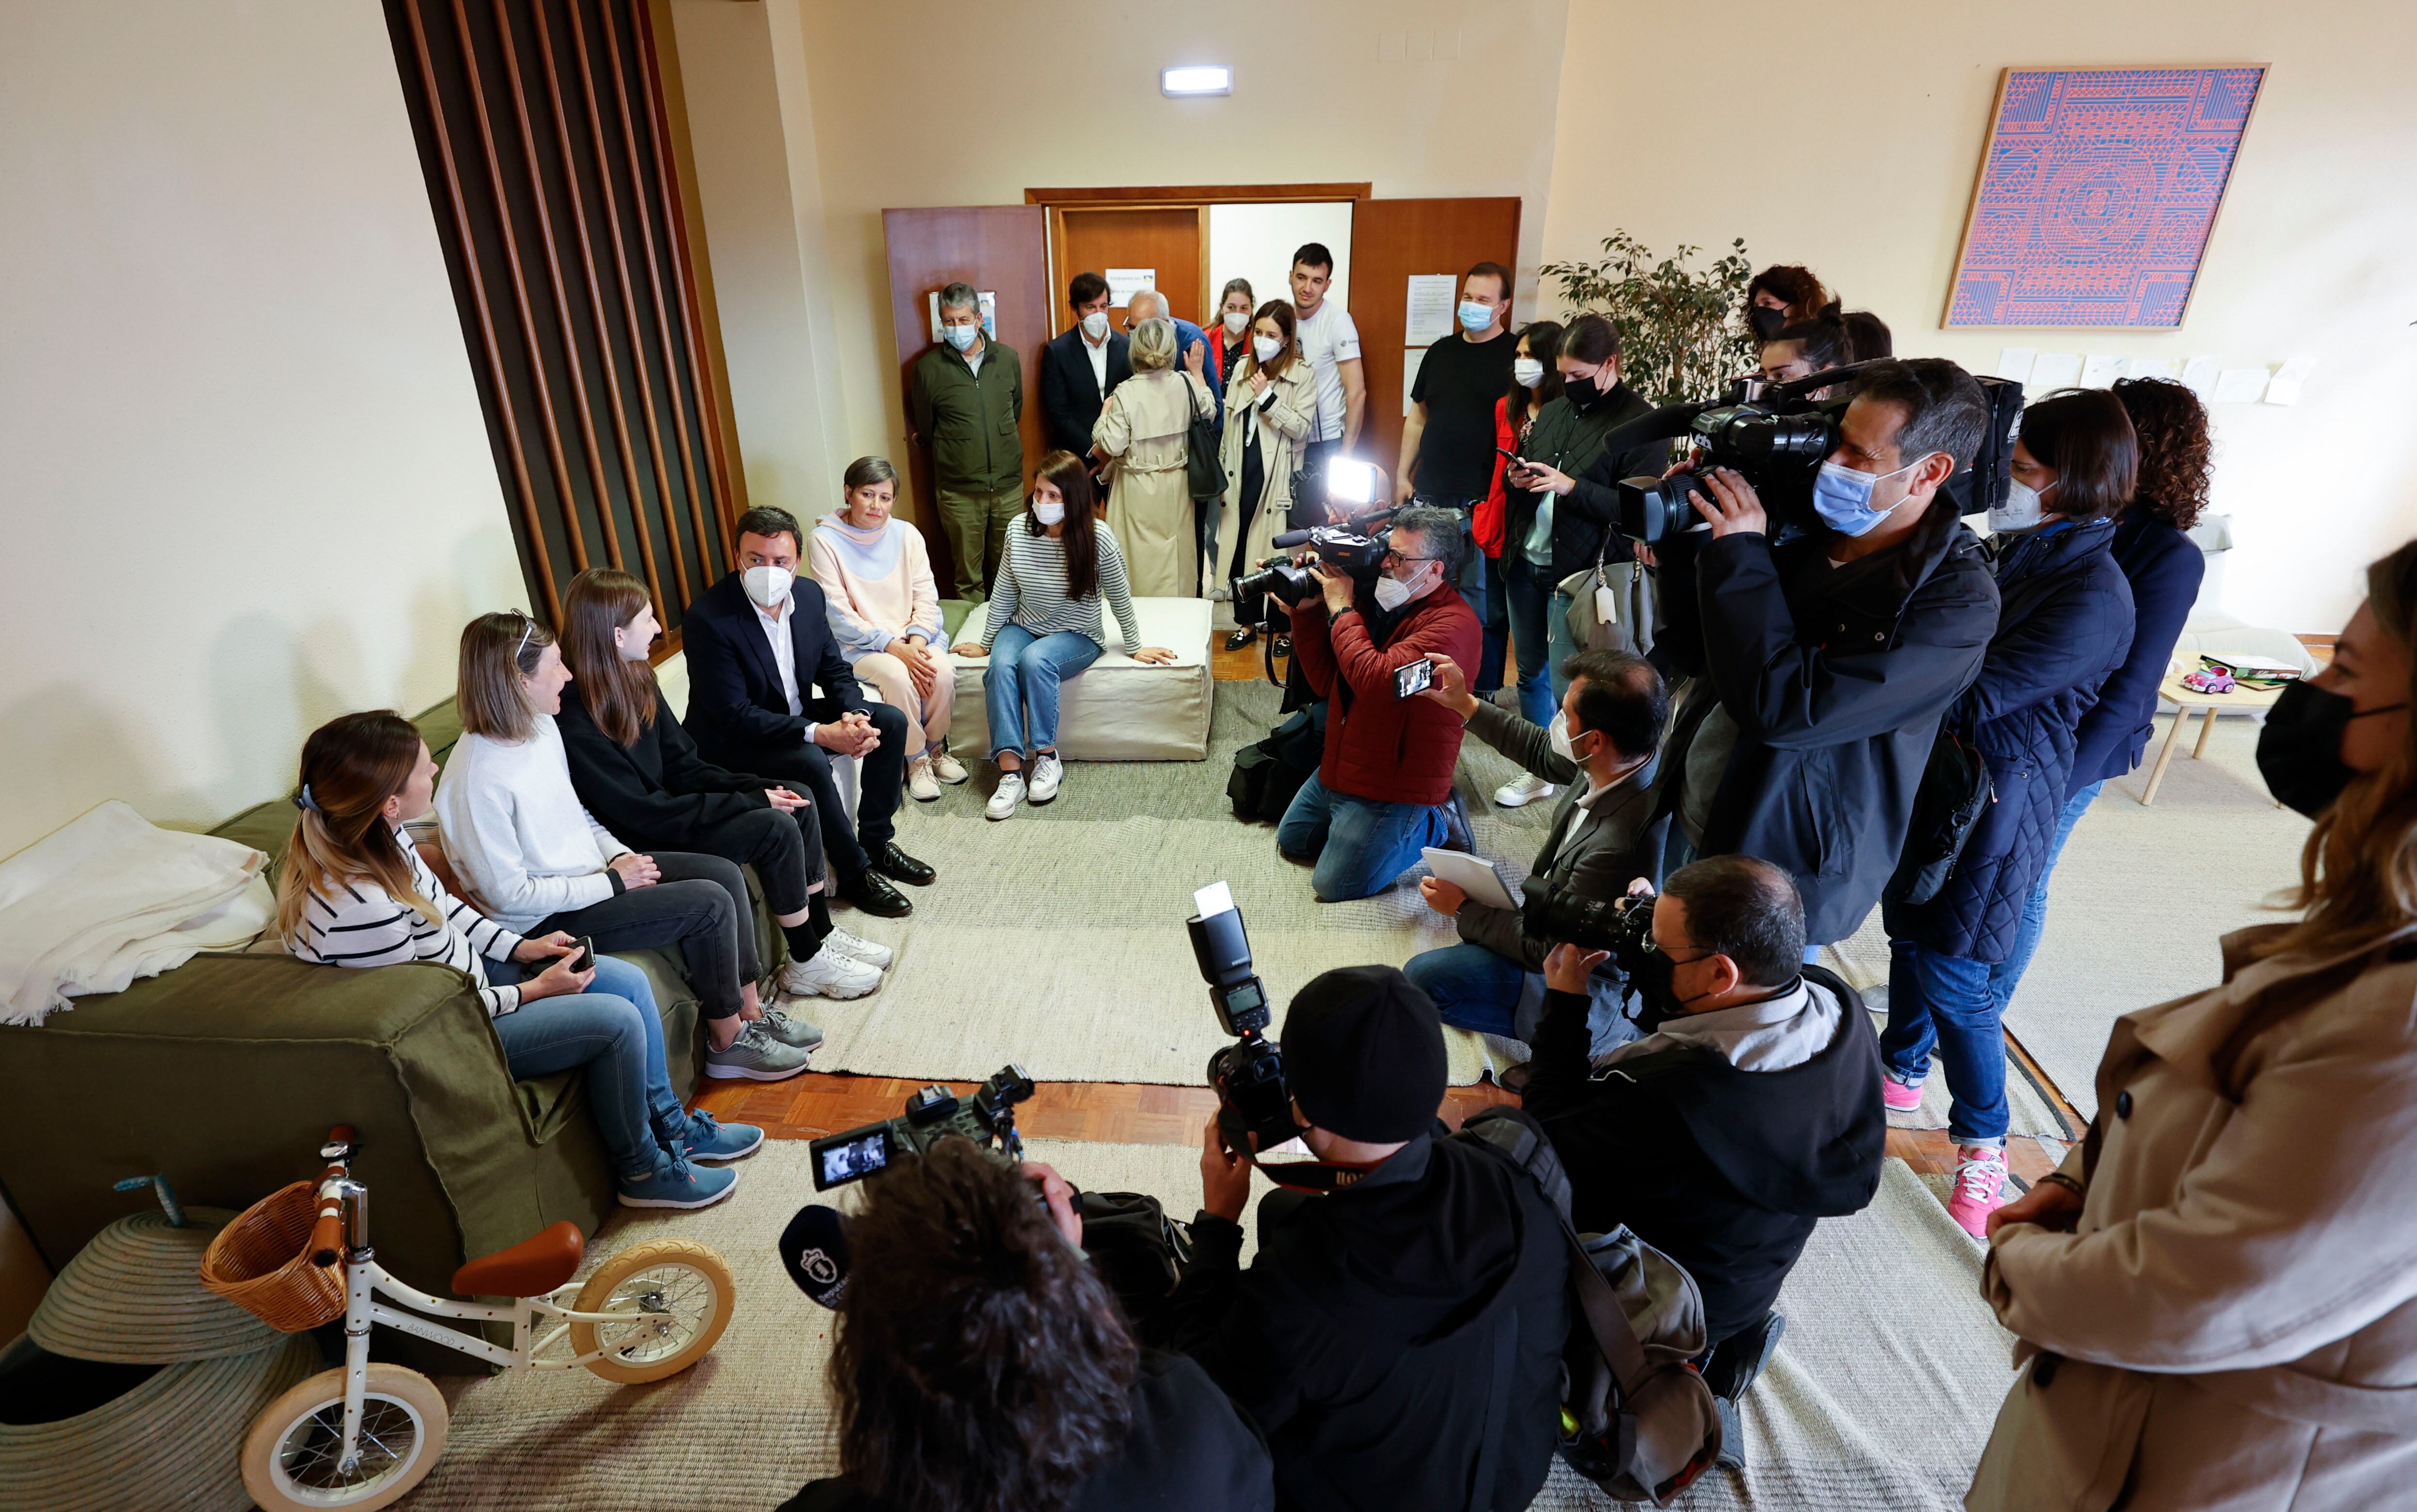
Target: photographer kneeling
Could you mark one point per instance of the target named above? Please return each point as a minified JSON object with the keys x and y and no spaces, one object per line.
{"x":1599,"y":752}
{"x":1399,"y":1338}
{"x":1746,"y":1111}
{"x":1383,"y":789}
{"x":980,"y":1362}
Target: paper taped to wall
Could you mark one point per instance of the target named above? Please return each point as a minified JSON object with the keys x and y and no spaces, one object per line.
{"x":2099,"y":369}
{"x":1433,"y":297}
{"x":2015,"y":363}
{"x":1124,"y":283}
{"x":2289,"y":380}
{"x":2052,"y":370}
{"x":2240,"y":385}
{"x":2199,"y":375}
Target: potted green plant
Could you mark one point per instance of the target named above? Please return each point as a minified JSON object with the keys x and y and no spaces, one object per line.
{"x":1680,"y":337}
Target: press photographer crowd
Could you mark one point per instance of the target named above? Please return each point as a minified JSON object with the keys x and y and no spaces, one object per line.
{"x":1769,"y":689}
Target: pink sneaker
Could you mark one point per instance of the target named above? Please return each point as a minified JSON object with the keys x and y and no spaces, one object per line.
{"x":1980,"y":1188}
{"x":1897,"y":1097}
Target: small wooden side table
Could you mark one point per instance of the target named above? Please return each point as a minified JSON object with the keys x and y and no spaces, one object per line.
{"x":2191,"y":698}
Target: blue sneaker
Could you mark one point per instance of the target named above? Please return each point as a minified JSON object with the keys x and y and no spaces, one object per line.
{"x":709,"y":1138}
{"x":676,"y":1184}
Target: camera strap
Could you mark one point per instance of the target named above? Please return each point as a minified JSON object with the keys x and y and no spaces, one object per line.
{"x":1313,"y":1175}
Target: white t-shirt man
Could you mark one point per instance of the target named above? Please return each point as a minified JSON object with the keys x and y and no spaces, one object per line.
{"x":1327,"y":339}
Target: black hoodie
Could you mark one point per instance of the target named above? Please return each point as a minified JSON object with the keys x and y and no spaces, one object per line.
{"x":1724,"y":1170}
{"x":1366,"y":1337}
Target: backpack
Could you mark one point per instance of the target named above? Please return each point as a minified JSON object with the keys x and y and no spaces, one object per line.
{"x":1636,"y":1418}
{"x":1268,"y":774}
{"x":1946,"y":807}
{"x":1139,"y":1251}
{"x":1204,"y":470}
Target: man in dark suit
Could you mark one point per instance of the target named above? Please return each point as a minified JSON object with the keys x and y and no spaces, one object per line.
{"x":757,"y":645}
{"x":1081,"y":367}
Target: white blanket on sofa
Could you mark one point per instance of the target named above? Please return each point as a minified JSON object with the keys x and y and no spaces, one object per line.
{"x":111,"y":897}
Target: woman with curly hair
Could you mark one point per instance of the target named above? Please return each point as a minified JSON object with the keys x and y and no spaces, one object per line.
{"x":981,"y":1364}
{"x":2164,"y":567}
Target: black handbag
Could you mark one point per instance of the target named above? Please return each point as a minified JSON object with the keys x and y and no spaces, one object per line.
{"x":1946,"y":807}
{"x":1204,"y":470}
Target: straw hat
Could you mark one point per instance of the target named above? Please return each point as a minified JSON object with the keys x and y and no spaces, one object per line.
{"x":134,"y":1296}
{"x":173,"y":1440}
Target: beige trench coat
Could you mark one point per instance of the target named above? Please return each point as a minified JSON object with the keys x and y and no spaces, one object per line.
{"x":1281,"y":426}
{"x":2233,"y":1324}
{"x":1144,"y":430}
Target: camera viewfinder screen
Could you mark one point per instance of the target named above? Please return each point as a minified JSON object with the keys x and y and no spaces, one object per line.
{"x":1412,"y":679}
{"x":847,"y":1160}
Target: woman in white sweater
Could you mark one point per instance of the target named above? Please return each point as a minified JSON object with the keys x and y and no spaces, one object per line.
{"x":352,"y":892}
{"x":1044,"y":624}
{"x":884,"y":609}
{"x":536,"y":861}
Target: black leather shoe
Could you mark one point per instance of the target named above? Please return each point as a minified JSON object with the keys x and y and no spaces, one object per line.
{"x":898,"y":866}
{"x":1243,"y":635}
{"x":1284,"y":645}
{"x":873,"y":892}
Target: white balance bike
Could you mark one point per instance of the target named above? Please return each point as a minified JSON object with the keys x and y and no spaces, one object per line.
{"x":362,"y":1436}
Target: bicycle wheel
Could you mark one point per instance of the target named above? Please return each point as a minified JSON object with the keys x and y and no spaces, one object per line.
{"x":677,"y":1297}
{"x":290,"y":1456}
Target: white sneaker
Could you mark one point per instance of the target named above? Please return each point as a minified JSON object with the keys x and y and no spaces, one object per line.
{"x":1048,"y":775}
{"x":949,"y":769}
{"x":1524,"y":792}
{"x":1010,"y":792}
{"x":920,"y":781}
{"x":858,"y":947}
{"x":829,"y":974}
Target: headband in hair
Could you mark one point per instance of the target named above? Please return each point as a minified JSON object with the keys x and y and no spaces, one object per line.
{"x":303,"y":799}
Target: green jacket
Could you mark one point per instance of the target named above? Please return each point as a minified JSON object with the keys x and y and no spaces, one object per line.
{"x":968,"y":420}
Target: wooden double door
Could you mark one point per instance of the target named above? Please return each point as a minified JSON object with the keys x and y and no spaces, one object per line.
{"x":1025,"y":254}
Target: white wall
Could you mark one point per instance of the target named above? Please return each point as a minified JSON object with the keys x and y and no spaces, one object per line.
{"x":1257,"y":242}
{"x":2311,"y":253}
{"x":247,"y":485}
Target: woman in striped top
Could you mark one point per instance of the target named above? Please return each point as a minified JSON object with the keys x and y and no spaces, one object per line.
{"x":352,"y":892}
{"x":1045,"y":625}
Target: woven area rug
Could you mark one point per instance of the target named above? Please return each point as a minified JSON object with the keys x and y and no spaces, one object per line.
{"x":1879,"y":1397}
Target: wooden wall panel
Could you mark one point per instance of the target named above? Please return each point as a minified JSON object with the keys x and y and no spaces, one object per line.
{"x":1392,"y":239}
{"x":1003,"y":248}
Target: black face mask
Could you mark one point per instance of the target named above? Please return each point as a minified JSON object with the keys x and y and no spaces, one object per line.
{"x":1581,"y":392}
{"x":1767,"y":321}
{"x":2298,"y":752}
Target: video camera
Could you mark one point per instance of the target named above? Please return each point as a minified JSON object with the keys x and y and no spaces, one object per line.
{"x":1355,"y":548}
{"x":1252,"y":1098}
{"x":1777,"y":436}
{"x":987,"y":1118}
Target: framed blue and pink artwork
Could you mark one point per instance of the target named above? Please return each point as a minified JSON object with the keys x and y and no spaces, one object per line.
{"x":2097,"y":192}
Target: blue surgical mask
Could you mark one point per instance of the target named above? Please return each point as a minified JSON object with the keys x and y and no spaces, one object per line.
{"x":961,"y":337}
{"x":1475,"y":317}
{"x":1842,"y":495}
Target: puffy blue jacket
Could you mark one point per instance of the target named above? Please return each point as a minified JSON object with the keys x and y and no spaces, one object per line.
{"x":2164,"y":567}
{"x":2064,"y":622}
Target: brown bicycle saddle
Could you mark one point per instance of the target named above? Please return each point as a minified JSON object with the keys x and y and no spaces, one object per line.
{"x":531,"y":1267}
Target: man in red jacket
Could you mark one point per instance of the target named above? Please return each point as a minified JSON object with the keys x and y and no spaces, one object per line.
{"x":1383,"y":789}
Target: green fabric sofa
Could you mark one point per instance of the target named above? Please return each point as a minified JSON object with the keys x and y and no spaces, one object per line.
{"x":225,"y":1073}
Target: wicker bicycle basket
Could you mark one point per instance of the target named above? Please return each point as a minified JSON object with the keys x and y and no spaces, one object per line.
{"x":262,"y":1263}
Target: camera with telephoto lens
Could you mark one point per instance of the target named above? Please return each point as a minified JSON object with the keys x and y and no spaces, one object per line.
{"x":1623,"y":926}
{"x":987,"y":1118}
{"x":1776,"y":435}
{"x":1254,"y":1104}
{"x":1357,"y":549}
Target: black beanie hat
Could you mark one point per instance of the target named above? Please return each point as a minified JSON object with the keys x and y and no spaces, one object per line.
{"x":1363,"y":1053}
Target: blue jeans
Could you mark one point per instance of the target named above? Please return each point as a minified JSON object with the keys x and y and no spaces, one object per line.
{"x":1020,"y":687}
{"x":615,"y":1030}
{"x":1474,"y":988}
{"x":2027,"y":938}
{"x":1948,"y":1003}
{"x":1359,"y":845}
{"x":1529,"y":641}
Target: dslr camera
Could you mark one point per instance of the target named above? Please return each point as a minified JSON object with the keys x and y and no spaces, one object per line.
{"x":1623,"y":926}
{"x":1776,"y":435}
{"x":1252,"y":1096}
{"x":987,"y":1118}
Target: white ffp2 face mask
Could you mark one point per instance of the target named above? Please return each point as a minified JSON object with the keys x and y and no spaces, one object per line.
{"x":767,"y":585}
{"x":1049,"y":510}
{"x":1095,"y":325}
{"x":2021,"y":510}
{"x":1235,"y":320}
{"x":1266,"y":348}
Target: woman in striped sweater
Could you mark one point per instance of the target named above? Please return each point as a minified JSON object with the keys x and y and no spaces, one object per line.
{"x":1045,"y":625}
{"x":354,"y":891}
